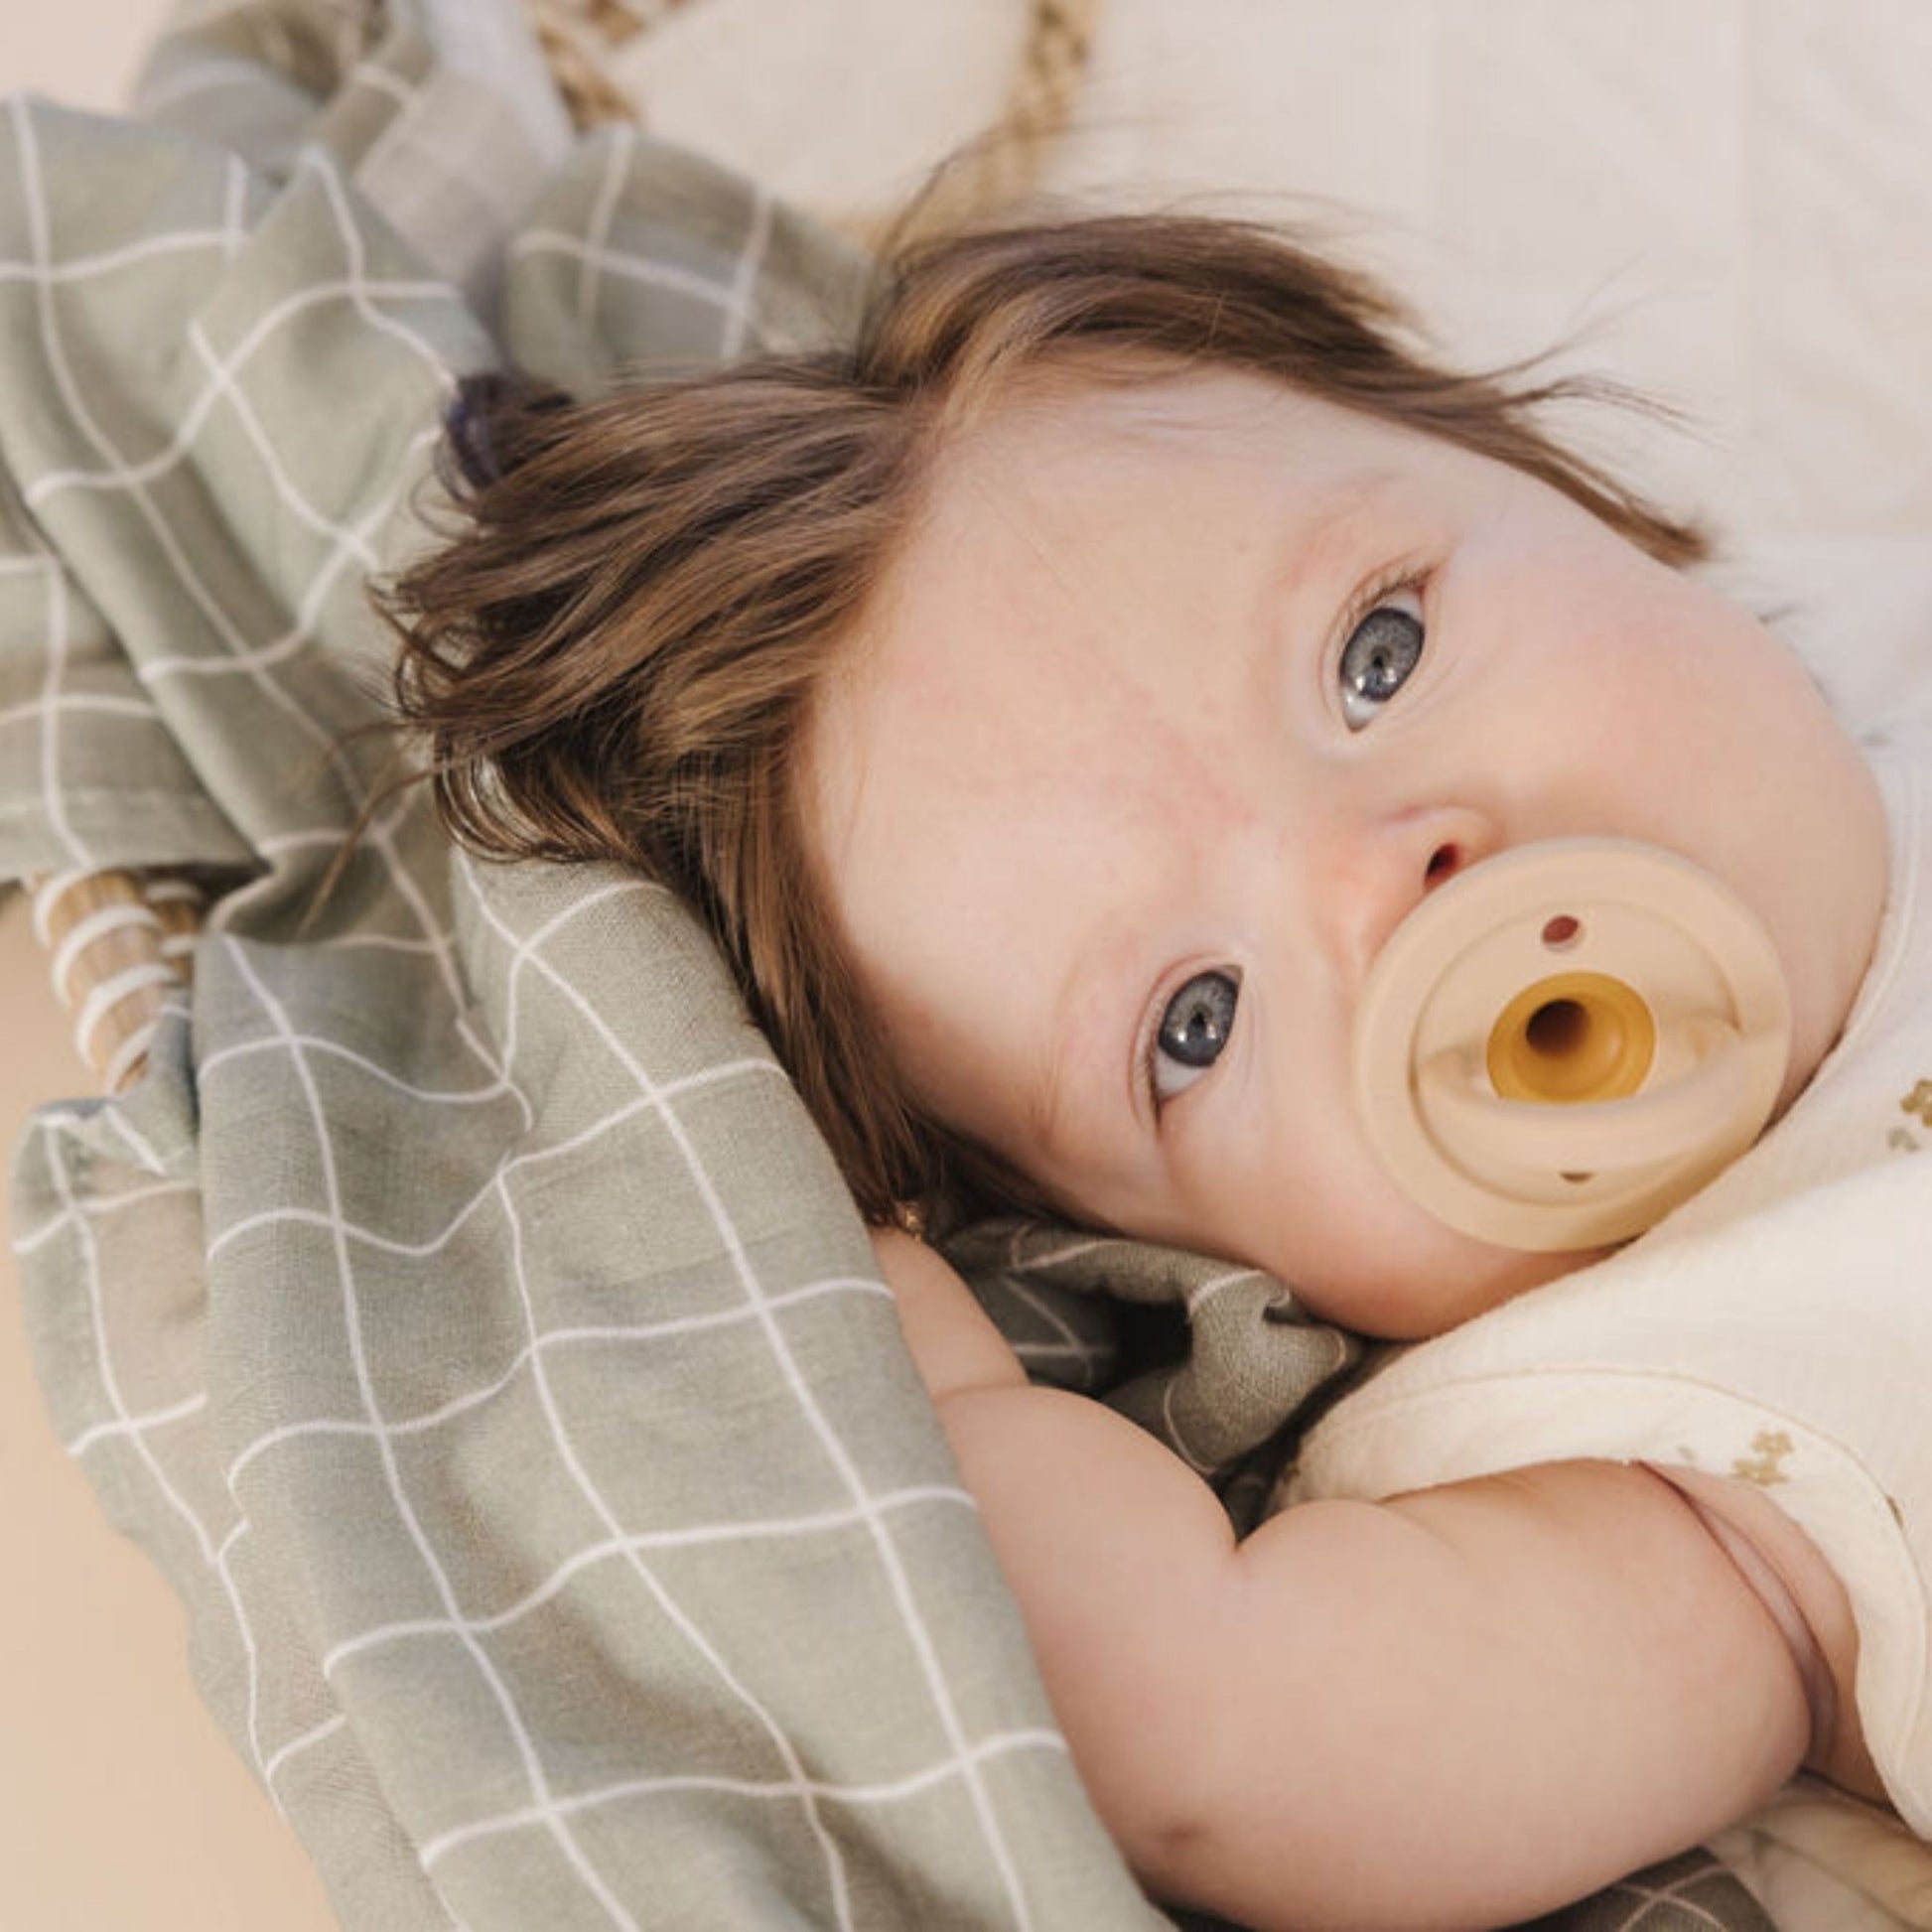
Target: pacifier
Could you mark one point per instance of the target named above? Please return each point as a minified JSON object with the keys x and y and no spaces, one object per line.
{"x":1562,"y":1042}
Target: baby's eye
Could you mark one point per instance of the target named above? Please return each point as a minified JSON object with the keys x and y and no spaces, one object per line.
{"x":1193,"y":1029}
{"x":1379,"y":655}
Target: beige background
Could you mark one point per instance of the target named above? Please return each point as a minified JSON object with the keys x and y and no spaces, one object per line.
{"x":120,"y":1803}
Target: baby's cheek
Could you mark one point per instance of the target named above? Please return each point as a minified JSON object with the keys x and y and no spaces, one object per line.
{"x":1390,"y":1270}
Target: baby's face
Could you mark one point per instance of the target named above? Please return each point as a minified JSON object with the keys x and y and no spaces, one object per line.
{"x":1182,"y":696}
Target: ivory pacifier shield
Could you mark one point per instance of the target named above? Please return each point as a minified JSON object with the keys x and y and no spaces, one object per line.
{"x":1561,"y":1043}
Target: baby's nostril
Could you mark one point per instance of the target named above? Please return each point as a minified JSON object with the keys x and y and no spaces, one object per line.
{"x":1444,"y":863}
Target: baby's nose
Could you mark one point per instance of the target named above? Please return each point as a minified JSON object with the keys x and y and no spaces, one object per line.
{"x":1397,"y":861}
{"x":1444,"y":863}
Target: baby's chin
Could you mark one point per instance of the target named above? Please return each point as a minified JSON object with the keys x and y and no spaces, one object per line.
{"x":1449,"y":1279}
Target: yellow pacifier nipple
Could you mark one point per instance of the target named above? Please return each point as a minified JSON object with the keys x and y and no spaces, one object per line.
{"x":1572,"y":1037}
{"x":1558,"y":1046}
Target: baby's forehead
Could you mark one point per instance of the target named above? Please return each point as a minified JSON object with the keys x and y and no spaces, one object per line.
{"x":1076,"y":402}
{"x":1084,"y":424}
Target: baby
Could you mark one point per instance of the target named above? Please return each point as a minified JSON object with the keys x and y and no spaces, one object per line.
{"x":1053,"y":701}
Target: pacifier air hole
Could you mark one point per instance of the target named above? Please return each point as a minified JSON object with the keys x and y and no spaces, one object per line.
{"x":1561,"y":932}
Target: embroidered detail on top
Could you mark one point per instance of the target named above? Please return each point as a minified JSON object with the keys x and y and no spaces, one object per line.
{"x":1771,"y":1447}
{"x":1920,"y":1102}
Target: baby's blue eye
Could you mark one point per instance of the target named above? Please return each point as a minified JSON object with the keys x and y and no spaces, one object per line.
{"x":1379,"y":655}
{"x":1193,"y":1029}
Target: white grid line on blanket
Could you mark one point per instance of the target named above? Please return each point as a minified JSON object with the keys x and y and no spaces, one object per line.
{"x":119,"y":476}
{"x":234,"y":211}
{"x":83,"y":268}
{"x":207,"y":77}
{"x":228,"y":389}
{"x":890,"y":1792}
{"x":79,"y":704}
{"x":379,"y":79}
{"x":1062,"y":1252}
{"x":1040,"y":1354}
{"x":141,"y":1425}
{"x":512,"y":1715}
{"x":419,"y":1250}
{"x":242,"y":656}
{"x":630,"y":268}
{"x":447,"y":134}
{"x":147,"y":1156}
{"x":110,"y":1387}
{"x":633,"y":1543}
{"x":1070,"y":1342}
{"x":322,"y":164}
{"x":525,"y":951}
{"x":820,"y":1423}
{"x":597,"y":238}
{"x":379,"y":837}
{"x":256,"y":663}
{"x":40,"y":241}
{"x":1176,"y":1437}
{"x":497,"y":1089}
{"x":1648,"y":1895}
{"x":1199,"y":1296}
{"x":306,"y":1740}
{"x":602,"y":1337}
{"x":250,"y":1652}
{"x":59,"y":638}
{"x":47,"y":707}
{"x":409,"y":98}
{"x":94,"y":1209}
{"x":693,"y":1632}
{"x":382,"y":836}
{"x":738,"y":305}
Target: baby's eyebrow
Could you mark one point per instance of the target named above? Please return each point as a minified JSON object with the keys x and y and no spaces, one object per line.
{"x":1326,"y":537}
{"x":1310,"y":558}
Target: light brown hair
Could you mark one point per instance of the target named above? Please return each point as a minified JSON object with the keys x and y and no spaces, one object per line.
{"x":616,"y":655}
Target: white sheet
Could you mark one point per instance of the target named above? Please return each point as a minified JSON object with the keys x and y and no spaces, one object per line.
{"x":1734,"y":196}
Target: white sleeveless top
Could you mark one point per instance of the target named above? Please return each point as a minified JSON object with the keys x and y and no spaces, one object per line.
{"x":1777,"y":1327}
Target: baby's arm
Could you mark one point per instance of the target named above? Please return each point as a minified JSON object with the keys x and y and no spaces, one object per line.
{"x":1461,"y":1707}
